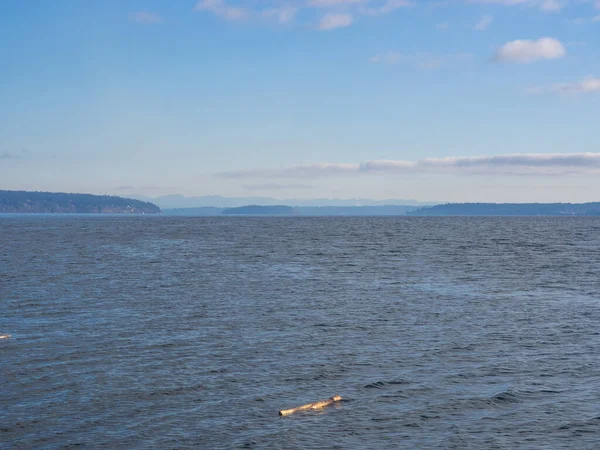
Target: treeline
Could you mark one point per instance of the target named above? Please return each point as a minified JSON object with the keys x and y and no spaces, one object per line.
{"x":510,"y":209}
{"x":53,"y":202}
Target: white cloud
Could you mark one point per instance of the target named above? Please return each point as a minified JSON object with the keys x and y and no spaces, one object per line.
{"x":585,"y":86}
{"x":484,"y":23}
{"x":335,"y":20}
{"x":221,"y":9}
{"x":517,"y":164}
{"x":146,"y":18}
{"x":526,"y":51}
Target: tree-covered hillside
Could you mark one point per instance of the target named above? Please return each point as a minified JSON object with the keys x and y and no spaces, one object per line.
{"x":51,"y":202}
{"x":510,"y":209}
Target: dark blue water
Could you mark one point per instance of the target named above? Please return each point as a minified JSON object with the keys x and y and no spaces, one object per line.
{"x":158,"y":332}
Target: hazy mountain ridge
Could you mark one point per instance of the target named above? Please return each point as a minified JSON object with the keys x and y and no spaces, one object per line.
{"x":449,"y":209}
{"x":180,"y":201}
{"x":286,"y":210}
{"x":278,"y":210}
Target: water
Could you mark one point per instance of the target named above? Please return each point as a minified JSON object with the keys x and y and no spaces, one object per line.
{"x":158,"y":332}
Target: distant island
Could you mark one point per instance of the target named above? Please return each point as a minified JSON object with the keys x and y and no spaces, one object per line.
{"x":55,"y":202}
{"x":510,"y":209}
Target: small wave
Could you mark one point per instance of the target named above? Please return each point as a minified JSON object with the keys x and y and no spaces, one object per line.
{"x":171,"y":391}
{"x":429,"y":417}
{"x":508,"y":397}
{"x":582,"y":426}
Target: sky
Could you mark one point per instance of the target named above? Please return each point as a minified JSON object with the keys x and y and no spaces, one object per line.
{"x":449,"y":100}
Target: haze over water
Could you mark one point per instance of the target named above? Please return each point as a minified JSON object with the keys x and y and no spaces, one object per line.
{"x":169,"y":332}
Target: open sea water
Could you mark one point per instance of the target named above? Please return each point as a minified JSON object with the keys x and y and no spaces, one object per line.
{"x":171,"y":332}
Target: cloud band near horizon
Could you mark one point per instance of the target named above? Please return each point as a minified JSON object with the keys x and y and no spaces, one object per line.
{"x":539,"y":164}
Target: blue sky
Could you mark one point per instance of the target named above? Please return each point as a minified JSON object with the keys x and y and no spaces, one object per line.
{"x":465,"y":100}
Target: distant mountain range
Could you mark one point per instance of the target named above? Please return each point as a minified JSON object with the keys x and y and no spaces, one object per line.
{"x":284,"y":210}
{"x":217,"y":201}
{"x":450,"y":209}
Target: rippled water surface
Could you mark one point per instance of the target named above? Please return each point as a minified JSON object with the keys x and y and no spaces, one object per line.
{"x":159,"y":332}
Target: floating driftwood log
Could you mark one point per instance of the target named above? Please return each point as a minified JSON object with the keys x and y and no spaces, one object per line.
{"x":316,"y":405}
{"x":4,"y":336}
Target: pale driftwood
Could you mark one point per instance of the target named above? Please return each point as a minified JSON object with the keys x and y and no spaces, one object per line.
{"x":4,"y":336}
{"x":316,"y":405}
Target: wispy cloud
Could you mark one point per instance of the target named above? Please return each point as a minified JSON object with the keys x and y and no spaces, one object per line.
{"x":335,"y":20}
{"x":386,"y":58}
{"x":425,"y":61}
{"x":484,"y":23}
{"x":304,"y":171}
{"x":386,"y":7}
{"x":527,"y":51}
{"x":326,"y":14}
{"x":276,"y":187}
{"x":146,"y":18}
{"x":283,"y":14}
{"x":334,"y":3}
{"x":586,"y":86}
{"x":221,"y":9}
{"x":552,"y":5}
{"x":544,"y":5}
{"x":518,"y":164}
{"x":585,"y":20}
{"x":331,"y":14}
{"x":580,"y":21}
